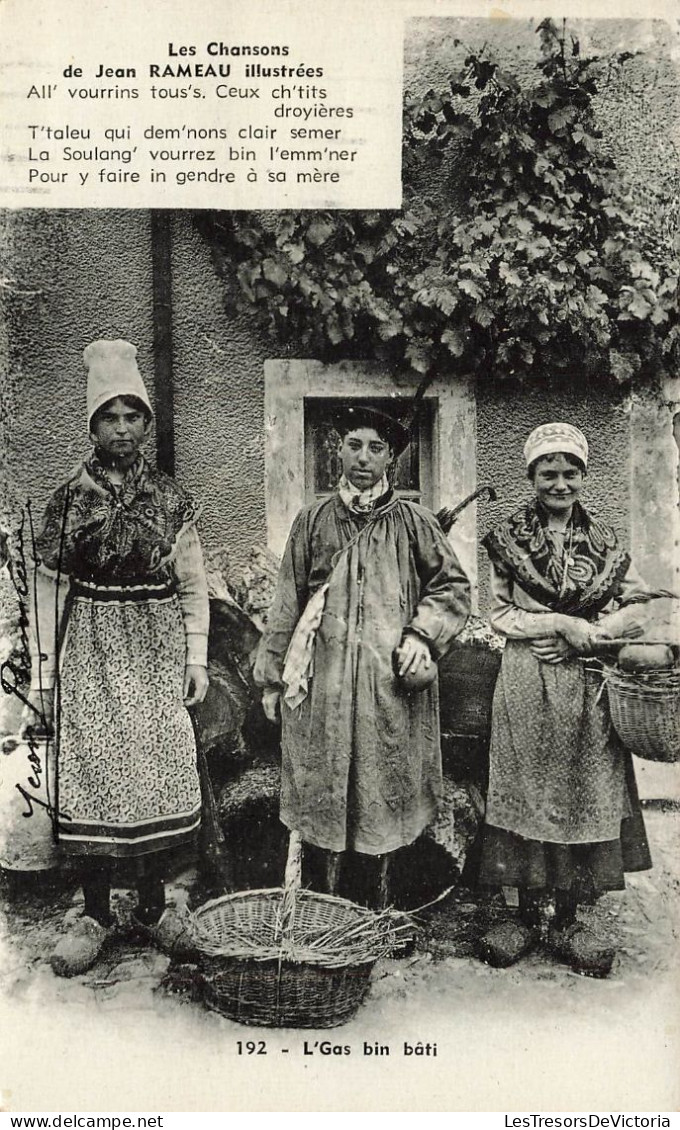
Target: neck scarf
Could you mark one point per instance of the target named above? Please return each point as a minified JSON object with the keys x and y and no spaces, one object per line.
{"x":110,"y":532}
{"x":361,"y":501}
{"x":579,"y":577}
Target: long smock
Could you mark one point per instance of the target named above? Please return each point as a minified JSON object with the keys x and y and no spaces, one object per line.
{"x":361,"y":759}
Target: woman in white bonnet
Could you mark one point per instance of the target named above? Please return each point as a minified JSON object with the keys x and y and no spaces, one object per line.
{"x":563,"y":820}
{"x":121,"y":585}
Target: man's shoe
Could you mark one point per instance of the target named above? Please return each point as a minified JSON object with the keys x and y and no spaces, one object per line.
{"x":505,"y":943}
{"x":78,"y":950}
{"x":579,"y":947}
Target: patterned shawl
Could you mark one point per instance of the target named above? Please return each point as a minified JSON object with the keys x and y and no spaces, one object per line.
{"x":579,"y":579}
{"x":111,"y":533}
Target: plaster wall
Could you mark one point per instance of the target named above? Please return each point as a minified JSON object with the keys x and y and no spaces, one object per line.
{"x":71,"y":277}
{"x":654,"y":488}
{"x":219,"y":399}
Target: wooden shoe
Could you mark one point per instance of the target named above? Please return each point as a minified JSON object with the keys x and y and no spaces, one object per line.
{"x":170,"y":935}
{"x":78,"y":950}
{"x":579,"y":947}
{"x":505,"y":943}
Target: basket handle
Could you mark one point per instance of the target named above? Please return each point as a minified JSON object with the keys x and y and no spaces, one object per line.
{"x":291,"y":885}
{"x":293,"y":874}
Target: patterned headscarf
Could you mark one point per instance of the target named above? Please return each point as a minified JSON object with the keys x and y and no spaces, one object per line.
{"x":97,"y":531}
{"x":583,"y":583}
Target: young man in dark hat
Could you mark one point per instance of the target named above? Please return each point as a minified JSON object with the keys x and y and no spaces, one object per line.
{"x":369,"y":596}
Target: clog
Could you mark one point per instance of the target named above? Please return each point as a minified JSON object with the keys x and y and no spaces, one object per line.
{"x":170,"y":935}
{"x":507,"y":942}
{"x":580,"y":948}
{"x":79,"y":949}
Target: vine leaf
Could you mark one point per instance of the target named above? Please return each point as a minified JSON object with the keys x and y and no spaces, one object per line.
{"x":530,"y":256}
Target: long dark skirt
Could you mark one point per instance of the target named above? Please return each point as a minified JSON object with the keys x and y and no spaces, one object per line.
{"x":499,"y":858}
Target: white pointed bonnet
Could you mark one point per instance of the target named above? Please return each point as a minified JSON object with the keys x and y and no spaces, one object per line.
{"x":112,"y":371}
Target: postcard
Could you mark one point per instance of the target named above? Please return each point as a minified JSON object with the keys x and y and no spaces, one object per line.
{"x":340,"y":405}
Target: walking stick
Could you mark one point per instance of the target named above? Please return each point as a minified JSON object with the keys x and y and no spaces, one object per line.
{"x":214,"y":861}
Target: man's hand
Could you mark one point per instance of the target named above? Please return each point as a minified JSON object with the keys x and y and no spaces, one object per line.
{"x":412,"y":653}
{"x":195,"y":684}
{"x":554,"y":649}
{"x":271,"y":704}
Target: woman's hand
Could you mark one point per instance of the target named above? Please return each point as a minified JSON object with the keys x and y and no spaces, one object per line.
{"x":554,"y":649}
{"x":271,"y":704}
{"x":39,"y":715}
{"x":195,"y":684}
{"x":577,"y":632}
{"x":412,"y":653}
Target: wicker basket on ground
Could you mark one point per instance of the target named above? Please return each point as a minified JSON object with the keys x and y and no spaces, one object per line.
{"x":289,"y":957}
{"x":645,"y":711}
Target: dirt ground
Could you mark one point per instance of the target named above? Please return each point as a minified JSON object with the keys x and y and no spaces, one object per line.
{"x":530,"y":1035}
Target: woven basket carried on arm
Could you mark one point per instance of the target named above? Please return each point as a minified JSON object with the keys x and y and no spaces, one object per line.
{"x":645,"y":712}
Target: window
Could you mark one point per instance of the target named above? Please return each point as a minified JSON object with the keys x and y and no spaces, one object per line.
{"x":299,"y":465}
{"x":413,"y":477}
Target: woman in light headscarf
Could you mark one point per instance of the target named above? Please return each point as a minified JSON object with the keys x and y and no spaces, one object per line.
{"x":563,"y":820}
{"x":120,"y":625}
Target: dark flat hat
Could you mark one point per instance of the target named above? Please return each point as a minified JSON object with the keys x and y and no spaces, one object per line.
{"x":347,"y":417}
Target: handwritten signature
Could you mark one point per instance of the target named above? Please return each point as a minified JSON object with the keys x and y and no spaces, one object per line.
{"x":31,"y":791}
{"x":15,"y":673}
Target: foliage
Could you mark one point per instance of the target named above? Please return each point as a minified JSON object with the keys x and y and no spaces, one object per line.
{"x":531,"y":260}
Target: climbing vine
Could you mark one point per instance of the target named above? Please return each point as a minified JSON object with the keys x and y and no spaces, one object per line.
{"x":530,"y":259}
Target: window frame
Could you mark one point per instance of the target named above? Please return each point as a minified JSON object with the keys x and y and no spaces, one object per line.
{"x":288,"y":383}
